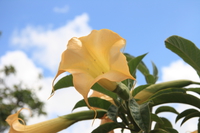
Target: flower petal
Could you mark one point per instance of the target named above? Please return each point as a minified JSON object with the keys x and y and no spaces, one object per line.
{"x":114,"y":76}
{"x":102,"y":96}
{"x":50,"y":126}
{"x":95,"y":58}
{"x":53,"y":125}
{"x":82,"y":83}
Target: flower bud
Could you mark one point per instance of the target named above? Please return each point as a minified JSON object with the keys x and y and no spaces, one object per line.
{"x":122,"y":91}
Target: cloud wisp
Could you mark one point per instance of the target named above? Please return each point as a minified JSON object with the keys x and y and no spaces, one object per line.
{"x":37,"y":45}
{"x":46,"y":45}
{"x":26,"y":70}
{"x":63,"y":9}
{"x":60,"y":104}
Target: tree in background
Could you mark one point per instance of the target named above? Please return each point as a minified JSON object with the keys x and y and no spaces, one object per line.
{"x":16,"y":96}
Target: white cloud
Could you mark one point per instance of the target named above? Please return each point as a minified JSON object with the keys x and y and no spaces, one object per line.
{"x":60,"y":104}
{"x":47,"y":45}
{"x":44,"y":47}
{"x":63,"y":9}
{"x":180,"y":70}
{"x":26,"y":71}
{"x":25,"y":68}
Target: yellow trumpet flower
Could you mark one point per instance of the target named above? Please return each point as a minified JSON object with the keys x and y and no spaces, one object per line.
{"x":95,"y":58}
{"x":51,"y":126}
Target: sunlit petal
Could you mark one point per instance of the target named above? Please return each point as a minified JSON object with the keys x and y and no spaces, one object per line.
{"x":102,"y":96}
{"x":50,"y":126}
{"x":95,"y":58}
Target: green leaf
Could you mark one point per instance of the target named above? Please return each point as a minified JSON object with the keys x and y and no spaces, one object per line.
{"x":105,"y":128}
{"x":159,"y":131}
{"x":128,"y":57}
{"x":189,"y":116}
{"x":155,"y":71}
{"x":156,"y":118}
{"x":146,"y":116}
{"x":138,"y":89}
{"x":176,"y":98}
{"x":166,"y":109}
{"x":166,"y":123}
{"x":150,"y":79}
{"x":141,"y":67}
{"x":94,"y":102}
{"x":185,"y":113}
{"x":186,"y":49}
{"x":147,"y":96}
{"x":169,"y":84}
{"x":197,"y":90}
{"x":99,"y":88}
{"x":166,"y":130}
{"x":171,"y":130}
{"x":153,"y":89}
{"x":84,"y":115}
{"x":112,"y":112}
{"x":140,"y":114}
{"x":168,"y":91}
{"x":64,"y":82}
{"x":67,"y":81}
{"x":133,"y":64}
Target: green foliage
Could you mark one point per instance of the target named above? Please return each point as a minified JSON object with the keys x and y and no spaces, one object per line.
{"x":85,"y":115}
{"x":67,"y":81}
{"x":113,"y":112}
{"x":105,"y":128}
{"x":150,"y":79}
{"x":136,"y":111}
{"x":166,"y":124}
{"x":176,"y":98}
{"x":156,"y":118}
{"x":15,"y":97}
{"x":196,"y":90}
{"x":94,"y":102}
{"x":122,"y":91}
{"x":138,"y":89}
{"x":188,"y":114}
{"x":166,"y":109}
{"x":170,"y":84}
{"x":186,"y":49}
{"x":167,"y":91}
{"x":140,"y":114}
{"x":159,"y":131}
{"x":133,"y":64}
{"x":192,"y":115}
{"x":155,"y":71}
{"x":64,"y":82}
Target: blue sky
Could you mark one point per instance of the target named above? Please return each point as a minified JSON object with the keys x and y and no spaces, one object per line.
{"x":37,"y":31}
{"x":145,"y":25}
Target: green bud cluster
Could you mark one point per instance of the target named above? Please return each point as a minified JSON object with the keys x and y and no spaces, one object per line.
{"x":122,"y":91}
